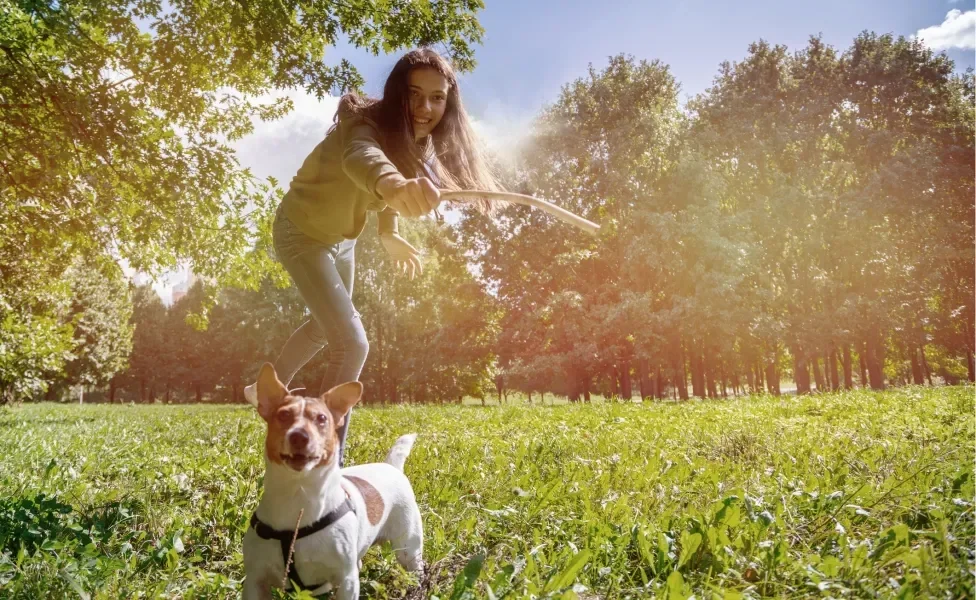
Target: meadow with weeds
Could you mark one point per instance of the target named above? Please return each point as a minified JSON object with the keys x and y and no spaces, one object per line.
{"x":853,"y":495}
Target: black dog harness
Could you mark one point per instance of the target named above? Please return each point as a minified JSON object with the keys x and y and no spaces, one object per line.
{"x":285,"y":537}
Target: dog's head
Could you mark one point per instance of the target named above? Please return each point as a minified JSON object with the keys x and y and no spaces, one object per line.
{"x":302,"y":431}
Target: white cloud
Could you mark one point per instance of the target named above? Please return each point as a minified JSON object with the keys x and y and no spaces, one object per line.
{"x":958,"y":31}
{"x":277,"y":148}
{"x":502,"y":130}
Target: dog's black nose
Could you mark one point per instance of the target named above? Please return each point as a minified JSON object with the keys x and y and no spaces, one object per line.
{"x":298,"y":439}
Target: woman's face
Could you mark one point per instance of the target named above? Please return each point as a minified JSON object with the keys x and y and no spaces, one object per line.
{"x":428,"y":100}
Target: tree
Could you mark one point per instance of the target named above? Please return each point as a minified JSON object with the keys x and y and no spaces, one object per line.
{"x":432,"y":337}
{"x":100,"y":315}
{"x":148,"y":340}
{"x":599,"y":151}
{"x":116,"y":117}
{"x":34,"y":342}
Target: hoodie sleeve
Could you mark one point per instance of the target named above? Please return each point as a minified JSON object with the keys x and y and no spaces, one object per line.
{"x":388,"y":221}
{"x":363,"y":160}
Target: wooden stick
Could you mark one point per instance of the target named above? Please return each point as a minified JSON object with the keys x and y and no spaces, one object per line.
{"x":560,"y":213}
{"x":291,"y":549}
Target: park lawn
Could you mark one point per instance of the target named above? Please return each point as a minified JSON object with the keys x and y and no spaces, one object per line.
{"x":855,"y":494}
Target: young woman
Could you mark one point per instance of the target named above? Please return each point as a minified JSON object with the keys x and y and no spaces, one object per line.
{"x":380,"y":155}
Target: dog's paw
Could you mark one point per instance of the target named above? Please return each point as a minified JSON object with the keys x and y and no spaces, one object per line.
{"x":325,"y":588}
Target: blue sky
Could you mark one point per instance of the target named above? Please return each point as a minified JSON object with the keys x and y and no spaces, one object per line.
{"x":532,"y":48}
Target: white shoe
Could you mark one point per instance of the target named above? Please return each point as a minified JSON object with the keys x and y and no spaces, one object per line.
{"x":251,"y":394}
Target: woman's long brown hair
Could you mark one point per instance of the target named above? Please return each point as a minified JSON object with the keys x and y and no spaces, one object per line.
{"x":451,"y":150}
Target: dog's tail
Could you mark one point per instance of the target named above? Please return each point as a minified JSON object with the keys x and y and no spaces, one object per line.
{"x":401,"y":449}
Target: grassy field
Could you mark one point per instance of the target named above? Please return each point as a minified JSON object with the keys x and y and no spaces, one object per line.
{"x":847,"y":495}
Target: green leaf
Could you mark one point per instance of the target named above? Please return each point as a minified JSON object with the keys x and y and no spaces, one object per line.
{"x":567,"y":576}
{"x":467,"y":577}
{"x":689,"y":544}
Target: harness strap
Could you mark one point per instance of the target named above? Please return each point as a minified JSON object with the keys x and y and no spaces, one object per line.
{"x":284,"y":537}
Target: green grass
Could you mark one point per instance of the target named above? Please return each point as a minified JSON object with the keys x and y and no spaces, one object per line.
{"x":847,"y":495}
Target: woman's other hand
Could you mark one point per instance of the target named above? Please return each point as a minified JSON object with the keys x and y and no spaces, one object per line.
{"x":405,"y":257}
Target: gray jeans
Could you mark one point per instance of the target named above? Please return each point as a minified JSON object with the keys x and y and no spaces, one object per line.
{"x":323,"y":274}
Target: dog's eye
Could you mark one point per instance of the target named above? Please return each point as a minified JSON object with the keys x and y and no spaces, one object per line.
{"x":284,"y":417}
{"x":321,"y":419}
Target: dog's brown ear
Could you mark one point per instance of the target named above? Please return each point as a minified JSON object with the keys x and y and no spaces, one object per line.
{"x":341,"y":399}
{"x":270,"y":390}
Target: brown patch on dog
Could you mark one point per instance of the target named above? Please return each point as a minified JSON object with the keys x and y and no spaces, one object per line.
{"x":374,"y":502}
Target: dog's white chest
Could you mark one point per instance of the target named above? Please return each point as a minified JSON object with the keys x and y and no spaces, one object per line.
{"x":319,"y":559}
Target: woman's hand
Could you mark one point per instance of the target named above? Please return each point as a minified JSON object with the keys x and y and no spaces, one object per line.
{"x":409,"y":197}
{"x":405,"y":257}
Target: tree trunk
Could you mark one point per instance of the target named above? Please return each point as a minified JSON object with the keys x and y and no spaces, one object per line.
{"x":697,"y":374}
{"x":233,"y":394}
{"x":642,"y":379}
{"x":586,"y":388}
{"x":659,"y":388}
{"x":801,"y":374}
{"x":762,"y":380}
{"x":381,"y":368}
{"x":848,"y":378}
{"x":863,"y":365}
{"x":772,"y":376}
{"x":875,"y":359}
{"x":111,"y":391}
{"x":708,"y":367}
{"x":626,"y":390}
{"x":614,"y":392}
{"x":817,"y":375}
{"x":681,"y":384}
{"x":917,"y":376}
{"x":834,"y":376}
{"x":925,"y":364}
{"x":970,"y":366}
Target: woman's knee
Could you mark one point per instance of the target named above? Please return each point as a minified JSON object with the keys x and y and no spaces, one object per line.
{"x":357,"y":348}
{"x":315,"y":333}
{"x":353,"y":347}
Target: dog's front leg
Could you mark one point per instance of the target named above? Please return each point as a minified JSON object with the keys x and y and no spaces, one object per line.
{"x":349,"y":586}
{"x":257,"y":589}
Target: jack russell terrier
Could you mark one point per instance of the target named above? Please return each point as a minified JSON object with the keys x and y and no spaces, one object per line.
{"x":338,"y":513}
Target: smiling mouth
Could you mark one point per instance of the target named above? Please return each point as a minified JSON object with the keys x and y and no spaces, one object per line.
{"x":422,"y":121}
{"x":298,"y":462}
